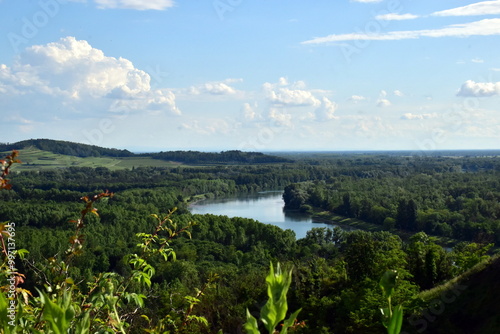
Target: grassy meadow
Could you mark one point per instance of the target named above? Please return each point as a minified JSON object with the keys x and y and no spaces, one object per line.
{"x":35,"y":159}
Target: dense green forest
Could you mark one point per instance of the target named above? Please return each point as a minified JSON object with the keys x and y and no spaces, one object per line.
{"x":119,"y":282}
{"x":190,"y":157}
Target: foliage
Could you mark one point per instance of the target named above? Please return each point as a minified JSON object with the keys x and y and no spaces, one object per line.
{"x":117,"y":274}
{"x":5,"y":167}
{"x":392,"y":317}
{"x":276,"y":307}
{"x":106,"y":303}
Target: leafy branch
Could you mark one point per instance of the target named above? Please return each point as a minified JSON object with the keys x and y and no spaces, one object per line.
{"x":5,"y":168}
{"x":392,"y":317}
{"x":276,"y":307}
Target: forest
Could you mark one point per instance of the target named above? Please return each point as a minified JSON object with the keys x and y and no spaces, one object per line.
{"x":190,"y":157}
{"x":117,"y":251}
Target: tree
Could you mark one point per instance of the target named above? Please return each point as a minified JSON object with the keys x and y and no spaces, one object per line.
{"x":406,"y":217}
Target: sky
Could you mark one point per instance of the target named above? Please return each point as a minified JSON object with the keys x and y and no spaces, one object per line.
{"x":252,"y":75}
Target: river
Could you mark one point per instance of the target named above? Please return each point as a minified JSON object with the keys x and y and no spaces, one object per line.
{"x":266,"y":207}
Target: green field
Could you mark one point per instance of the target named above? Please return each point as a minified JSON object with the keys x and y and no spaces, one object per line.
{"x":35,"y":159}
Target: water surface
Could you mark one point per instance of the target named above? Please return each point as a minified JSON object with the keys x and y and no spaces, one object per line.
{"x":266,"y":207}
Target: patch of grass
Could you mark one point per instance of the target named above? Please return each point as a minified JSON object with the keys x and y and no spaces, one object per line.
{"x":326,"y":217}
{"x":35,"y":159}
{"x":144,"y":162}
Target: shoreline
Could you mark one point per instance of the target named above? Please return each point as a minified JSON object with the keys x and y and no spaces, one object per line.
{"x":335,"y":219}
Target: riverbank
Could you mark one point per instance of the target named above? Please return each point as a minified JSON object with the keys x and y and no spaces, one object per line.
{"x":335,"y":219}
{"x":263,"y":206}
{"x":316,"y":215}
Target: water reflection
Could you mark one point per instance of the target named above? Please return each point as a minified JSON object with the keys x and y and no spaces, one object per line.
{"x":266,"y":207}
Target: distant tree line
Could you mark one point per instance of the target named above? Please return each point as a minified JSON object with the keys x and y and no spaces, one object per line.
{"x":188,"y":157}
{"x":66,"y":148}
{"x":225,"y":157}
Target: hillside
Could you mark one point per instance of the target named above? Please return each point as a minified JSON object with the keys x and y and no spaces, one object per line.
{"x":66,"y":148}
{"x":465,"y":305}
{"x":70,"y":149}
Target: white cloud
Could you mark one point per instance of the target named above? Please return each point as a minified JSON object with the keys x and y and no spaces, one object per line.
{"x":399,"y":93}
{"x":357,"y":98}
{"x":135,"y":4}
{"x":477,"y":60}
{"x":486,"y":27}
{"x":410,"y":116}
{"x":72,"y":77}
{"x":214,"y":88}
{"x":326,"y":111}
{"x":382,"y":103}
{"x":479,"y":89}
{"x":299,"y":85}
{"x":280,"y":118}
{"x":478,"y":8}
{"x":280,"y":95}
{"x":249,"y":113}
{"x":218,"y":88}
{"x":395,"y":17}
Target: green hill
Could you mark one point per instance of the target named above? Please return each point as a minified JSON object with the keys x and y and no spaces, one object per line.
{"x":57,"y":153}
{"x":66,"y":148}
{"x":467,"y":304}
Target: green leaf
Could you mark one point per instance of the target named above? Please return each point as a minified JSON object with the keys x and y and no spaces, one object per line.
{"x":290,"y":321}
{"x":274,"y":311}
{"x":4,"y":319}
{"x":83,"y":324}
{"x":388,"y":282}
{"x":251,"y":325}
{"x":22,"y":252}
{"x":396,"y":320}
{"x":201,"y":320}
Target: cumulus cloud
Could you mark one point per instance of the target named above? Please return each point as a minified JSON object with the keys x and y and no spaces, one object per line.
{"x":399,"y":93}
{"x":326,"y":111}
{"x":218,"y":88}
{"x":72,"y":76}
{"x":283,"y":81}
{"x":357,"y":98}
{"x":214,"y":88}
{"x":410,"y":116}
{"x":382,"y":102}
{"x":396,"y":17}
{"x":279,"y":117}
{"x":286,"y":95}
{"x":479,"y":89}
{"x":249,"y":112}
{"x":478,"y":8}
{"x":135,"y":4}
{"x":486,"y":27}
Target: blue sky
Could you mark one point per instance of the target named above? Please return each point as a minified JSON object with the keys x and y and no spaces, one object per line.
{"x":252,"y":75}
